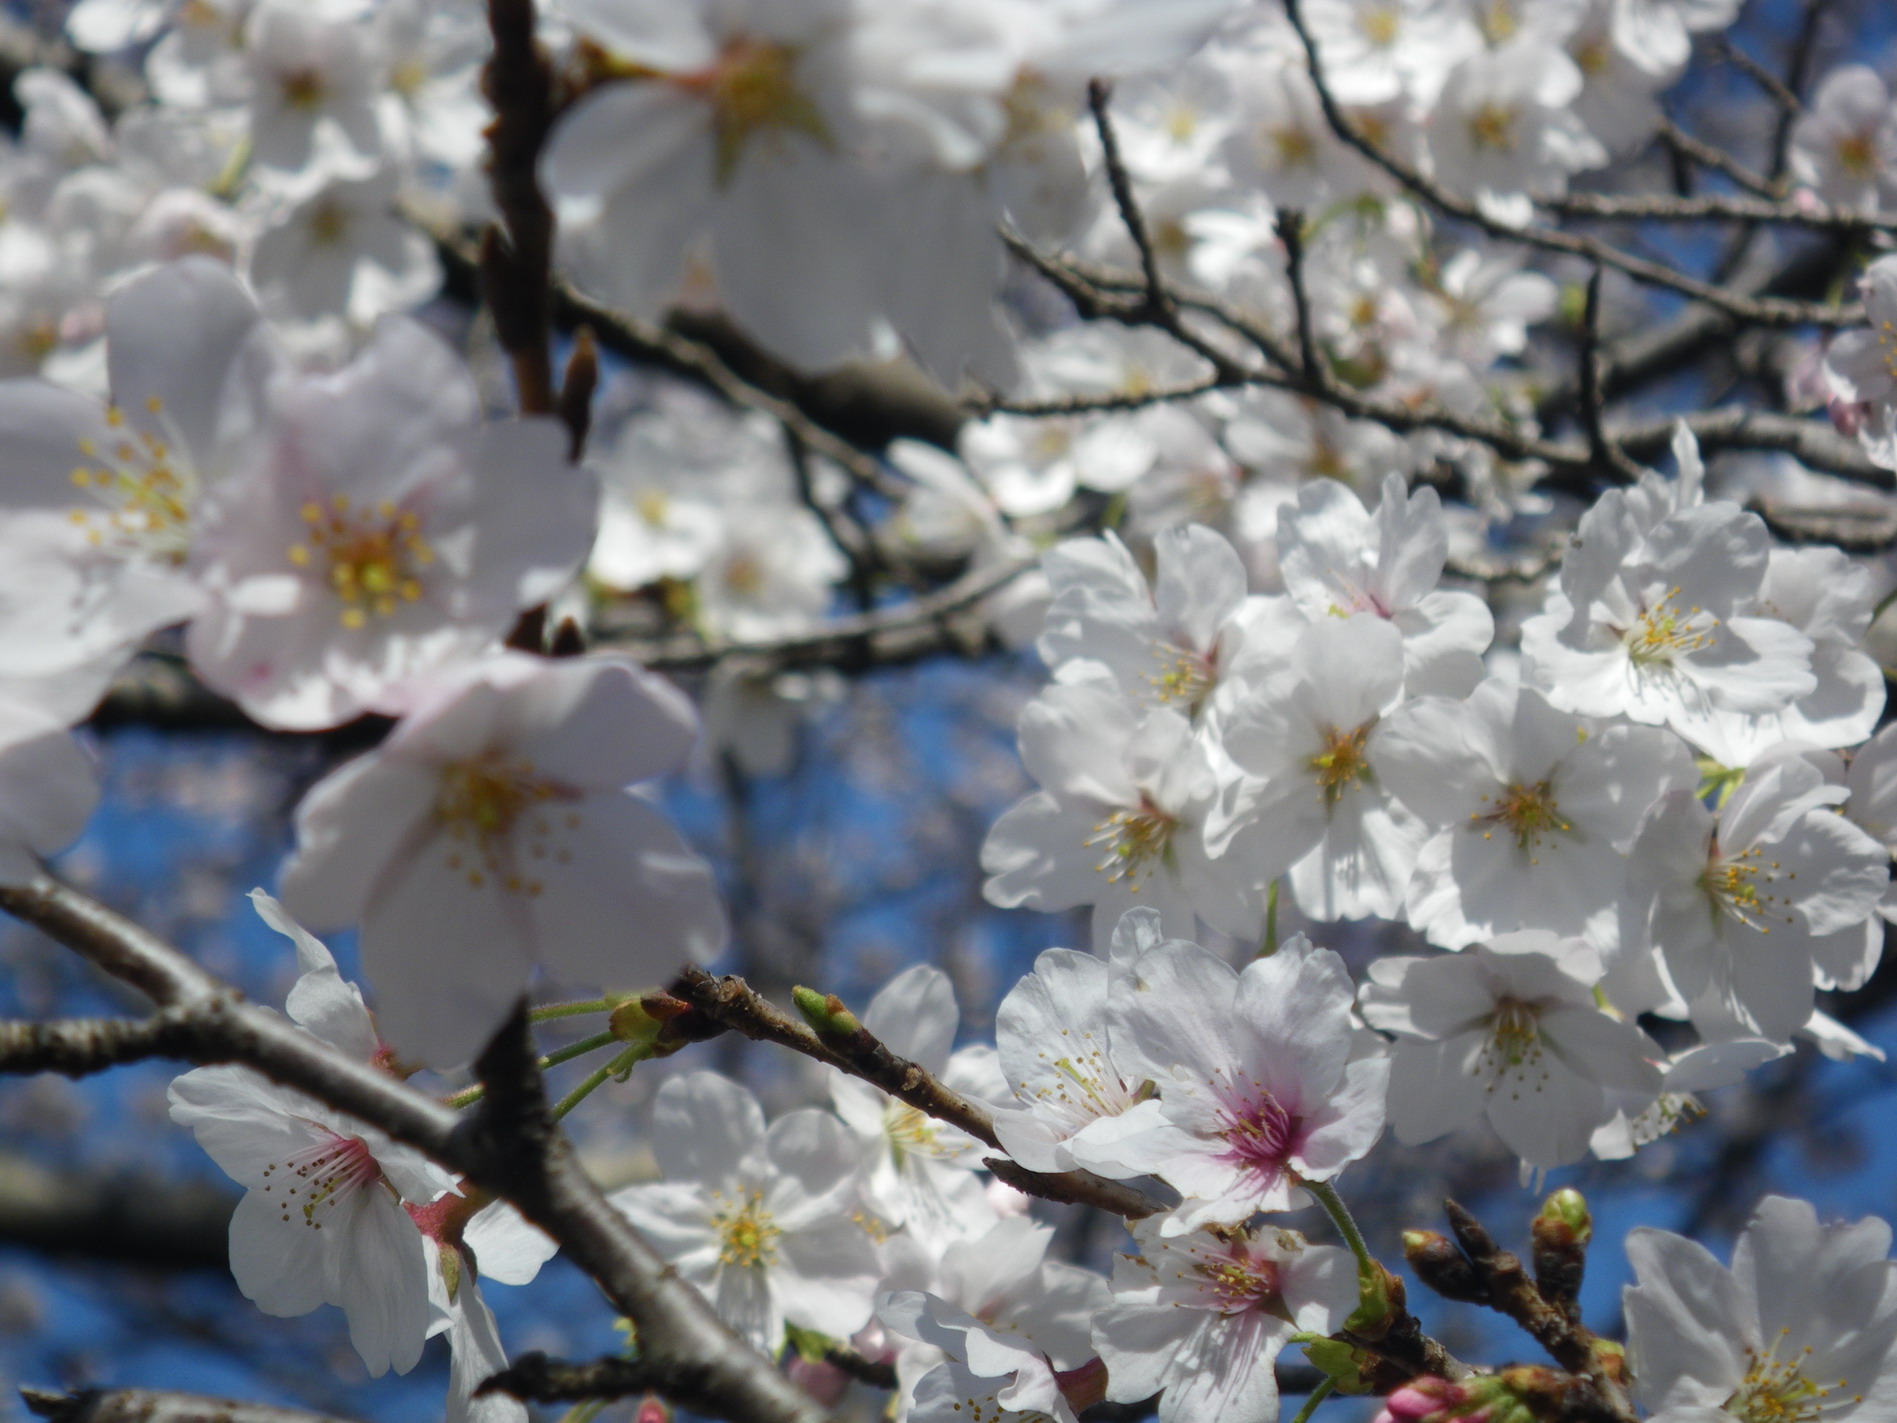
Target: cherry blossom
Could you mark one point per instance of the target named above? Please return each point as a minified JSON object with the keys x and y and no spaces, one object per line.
{"x":1256,"y":1089}
{"x":1804,"y":1323}
{"x":1509,"y":1031}
{"x":322,"y":1218}
{"x":759,"y":1220}
{"x":1199,"y":1318}
{"x":493,"y":832}
{"x":1531,"y":811}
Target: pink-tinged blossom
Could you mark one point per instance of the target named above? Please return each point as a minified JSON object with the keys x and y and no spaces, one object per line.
{"x":1509,"y":1031}
{"x":1200,"y":1318}
{"x":1802,"y":1326}
{"x":1531,"y":810}
{"x":1745,"y":906}
{"x":493,"y":832}
{"x":1339,"y":559}
{"x":1656,"y":623}
{"x":762,"y":1222}
{"x":1256,"y":1089}
{"x":1119,"y":821}
{"x":390,"y":530}
{"x":1860,"y":366}
{"x":322,"y":1220}
{"x":1310,"y":801}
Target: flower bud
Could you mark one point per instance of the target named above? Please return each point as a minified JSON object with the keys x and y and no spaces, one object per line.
{"x":1561,"y":1233}
{"x":1570,"y":1206}
{"x":825,"y":1013}
{"x":652,"y":1409}
{"x":1347,"y":1366}
{"x":1380,"y":1302}
{"x":1440,"y":1264}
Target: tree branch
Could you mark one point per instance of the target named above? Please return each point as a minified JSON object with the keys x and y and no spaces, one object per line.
{"x":734,"y":1004}
{"x":78,"y":1047}
{"x":681,"y":1336}
{"x":1767,"y":311}
{"x":151,"y":1405}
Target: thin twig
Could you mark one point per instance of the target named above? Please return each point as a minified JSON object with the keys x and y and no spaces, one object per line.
{"x":1601,"y":448}
{"x":733,"y":1003}
{"x":1776,"y":312}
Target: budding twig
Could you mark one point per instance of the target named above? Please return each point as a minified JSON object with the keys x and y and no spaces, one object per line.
{"x":733,"y":1003}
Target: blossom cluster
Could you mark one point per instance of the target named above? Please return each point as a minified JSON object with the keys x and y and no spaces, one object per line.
{"x":1623,"y":825}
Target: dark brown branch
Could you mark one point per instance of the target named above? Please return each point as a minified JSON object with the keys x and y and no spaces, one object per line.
{"x":1506,"y":1288}
{"x":1768,"y":311}
{"x":1291,"y":233}
{"x":536,"y":1378}
{"x":151,"y":1405}
{"x":515,"y":270}
{"x":78,"y":1047}
{"x":1685,"y":146}
{"x":941,"y":621}
{"x":1601,"y":447}
{"x":1714,"y":207}
{"x":734,"y":1004}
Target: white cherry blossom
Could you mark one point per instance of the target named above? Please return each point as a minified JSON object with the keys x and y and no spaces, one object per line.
{"x":493,"y":831}
{"x":1200,"y":1318}
{"x":1803,"y":1324}
{"x":1310,"y":801}
{"x":1509,"y":1031}
{"x":1339,"y":560}
{"x":389,"y":531}
{"x":1531,"y":810}
{"x":1744,"y":905}
{"x":1656,"y":623}
{"x":1119,"y":821}
{"x":760,"y":1221}
{"x":322,"y":1220}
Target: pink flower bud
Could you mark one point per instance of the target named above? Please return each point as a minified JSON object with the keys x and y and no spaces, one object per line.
{"x":824,"y":1382}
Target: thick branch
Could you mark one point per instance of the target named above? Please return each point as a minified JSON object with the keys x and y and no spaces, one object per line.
{"x":680,"y":1334}
{"x":518,"y":82}
{"x":151,"y":1405}
{"x":732,"y":1002}
{"x":78,"y":1047}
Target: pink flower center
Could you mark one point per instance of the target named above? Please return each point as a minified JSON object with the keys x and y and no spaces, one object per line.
{"x":1238,"y":1283}
{"x":322,"y":1176}
{"x":1259,"y":1133}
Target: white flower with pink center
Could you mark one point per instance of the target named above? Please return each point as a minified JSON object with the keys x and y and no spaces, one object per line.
{"x":1340,"y":559}
{"x":494,"y":831}
{"x":322,"y":1220}
{"x":1200,"y":1318}
{"x":1257,"y":1092}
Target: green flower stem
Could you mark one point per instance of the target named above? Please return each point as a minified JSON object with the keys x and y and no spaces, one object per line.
{"x":594,"y":1079}
{"x":1270,"y":946}
{"x":1318,"y":1395}
{"x":467,"y":1097}
{"x":547,"y":1012}
{"x":1339,"y":1213}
